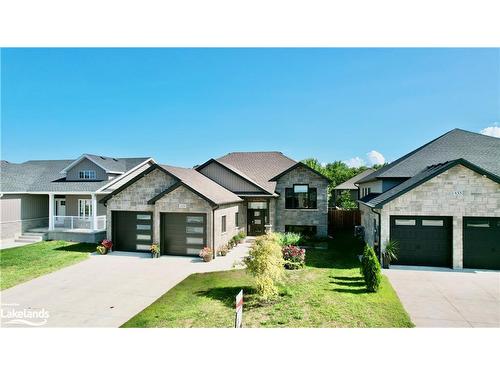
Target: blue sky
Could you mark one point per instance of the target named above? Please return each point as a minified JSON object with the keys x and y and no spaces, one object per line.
{"x":184,"y":106}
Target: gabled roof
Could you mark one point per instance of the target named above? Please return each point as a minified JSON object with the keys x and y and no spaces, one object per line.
{"x":259,"y":167}
{"x":379,"y":200}
{"x":236,"y":171}
{"x":201,"y":185}
{"x":191,"y":179}
{"x":109,"y":164}
{"x":296,"y":165}
{"x":349,"y":184}
{"x":44,"y":176}
{"x":479,"y":149}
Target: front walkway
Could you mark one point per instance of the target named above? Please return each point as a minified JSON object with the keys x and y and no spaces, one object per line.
{"x":447,"y":298}
{"x":106,"y":291}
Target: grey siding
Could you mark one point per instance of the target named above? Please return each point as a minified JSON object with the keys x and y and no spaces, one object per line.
{"x":72,"y":204}
{"x":317,"y":217}
{"x":228,"y":179}
{"x":85,"y":164}
{"x":20,"y":212}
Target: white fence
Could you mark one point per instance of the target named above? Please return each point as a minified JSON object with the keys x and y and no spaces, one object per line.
{"x":80,"y":222}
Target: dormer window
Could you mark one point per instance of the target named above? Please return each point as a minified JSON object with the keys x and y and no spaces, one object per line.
{"x":87,"y":175}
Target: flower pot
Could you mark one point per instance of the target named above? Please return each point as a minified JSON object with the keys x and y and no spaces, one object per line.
{"x":207,"y":258}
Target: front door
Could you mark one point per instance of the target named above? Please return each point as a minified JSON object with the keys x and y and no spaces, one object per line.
{"x":256,"y":222}
{"x":60,"y":210}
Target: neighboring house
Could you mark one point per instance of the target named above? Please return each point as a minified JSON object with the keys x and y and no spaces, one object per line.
{"x":186,"y":209}
{"x":59,"y":198}
{"x":351,"y":187}
{"x":441,"y":202}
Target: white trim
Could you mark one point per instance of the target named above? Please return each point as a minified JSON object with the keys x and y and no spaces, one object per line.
{"x":85,"y":156}
{"x":88,"y":202}
{"x":117,"y":179}
{"x":91,"y":173}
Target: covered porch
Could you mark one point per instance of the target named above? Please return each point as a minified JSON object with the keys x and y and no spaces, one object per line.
{"x":80,"y":213}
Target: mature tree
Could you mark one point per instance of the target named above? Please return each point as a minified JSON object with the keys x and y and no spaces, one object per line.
{"x":346,"y":202}
{"x":337,"y":171}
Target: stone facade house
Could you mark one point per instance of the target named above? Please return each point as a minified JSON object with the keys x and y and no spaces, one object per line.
{"x":440,"y":202}
{"x":186,"y":209}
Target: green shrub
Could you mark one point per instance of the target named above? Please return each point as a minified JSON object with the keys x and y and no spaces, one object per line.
{"x":241,"y":235}
{"x":265,"y":264}
{"x":289,"y":238}
{"x":370,"y":269}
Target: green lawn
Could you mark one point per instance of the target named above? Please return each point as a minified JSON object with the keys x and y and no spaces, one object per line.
{"x":329,"y":292}
{"x":23,"y":263}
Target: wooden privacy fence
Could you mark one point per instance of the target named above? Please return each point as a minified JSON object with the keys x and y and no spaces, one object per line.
{"x":342,"y":219}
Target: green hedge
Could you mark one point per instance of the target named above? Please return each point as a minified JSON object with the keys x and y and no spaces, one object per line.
{"x":370,"y":269}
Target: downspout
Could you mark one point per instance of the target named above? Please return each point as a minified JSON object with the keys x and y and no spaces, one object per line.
{"x":214,"y":208}
{"x":379,"y":234}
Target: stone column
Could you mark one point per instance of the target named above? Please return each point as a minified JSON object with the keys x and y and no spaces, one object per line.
{"x":457,"y":242}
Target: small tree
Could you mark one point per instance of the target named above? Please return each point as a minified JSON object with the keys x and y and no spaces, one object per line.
{"x":265,"y":264}
{"x":370,"y":268}
{"x":346,"y":202}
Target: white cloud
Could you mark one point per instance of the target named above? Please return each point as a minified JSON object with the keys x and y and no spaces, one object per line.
{"x":375,"y":157}
{"x":493,"y":131}
{"x":355,"y":162}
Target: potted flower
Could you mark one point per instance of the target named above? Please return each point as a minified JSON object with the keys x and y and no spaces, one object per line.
{"x":206,"y":254}
{"x":390,"y":253}
{"x":101,"y":249}
{"x":223,"y":251}
{"x":108,"y":245}
{"x":155,"y":250}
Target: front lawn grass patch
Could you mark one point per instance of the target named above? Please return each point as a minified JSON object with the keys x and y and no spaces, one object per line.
{"x":328,"y":292}
{"x":23,"y":263}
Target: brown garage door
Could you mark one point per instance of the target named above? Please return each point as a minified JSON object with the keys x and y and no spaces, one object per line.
{"x":132,"y":230}
{"x":183,"y":234}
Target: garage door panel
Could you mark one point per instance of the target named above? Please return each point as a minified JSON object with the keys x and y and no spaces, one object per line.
{"x":132,"y":230}
{"x":481,"y":242}
{"x":183,"y":234}
{"x":423,"y":241}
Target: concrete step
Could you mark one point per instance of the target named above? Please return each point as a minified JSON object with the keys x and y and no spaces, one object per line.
{"x":31,"y":235}
{"x":24,"y":240}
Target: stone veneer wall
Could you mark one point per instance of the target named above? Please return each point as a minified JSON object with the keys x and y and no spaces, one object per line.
{"x":136,"y":196}
{"x":438,"y":197}
{"x":190,"y":203}
{"x":229,"y":211}
{"x":317,"y":217}
{"x":367,"y":217}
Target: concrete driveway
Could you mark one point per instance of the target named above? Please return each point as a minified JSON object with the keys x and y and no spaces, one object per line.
{"x":447,"y":298}
{"x":103,"y":291}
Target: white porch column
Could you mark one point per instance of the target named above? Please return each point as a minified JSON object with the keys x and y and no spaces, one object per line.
{"x":51,"y":211}
{"x":94,"y":212}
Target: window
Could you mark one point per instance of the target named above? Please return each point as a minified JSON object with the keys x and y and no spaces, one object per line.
{"x":432,"y":223}
{"x":223,"y":224}
{"x":236,"y":220}
{"x":144,"y":237}
{"x":194,"y":219}
{"x":87,"y":175}
{"x":300,"y":196}
{"x":143,"y":227}
{"x":143,"y":217}
{"x":257,"y":205}
{"x":84,"y":207}
{"x":365,"y":192}
{"x":409,"y":222}
{"x":306,"y":230}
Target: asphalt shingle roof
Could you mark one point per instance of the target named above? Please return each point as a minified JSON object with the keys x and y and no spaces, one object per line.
{"x":45,"y":176}
{"x":481,"y":150}
{"x":258,"y":167}
{"x":349,"y":184}
{"x":203,"y":185}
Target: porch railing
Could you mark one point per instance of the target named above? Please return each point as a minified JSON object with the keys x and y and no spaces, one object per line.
{"x":80,"y":222}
